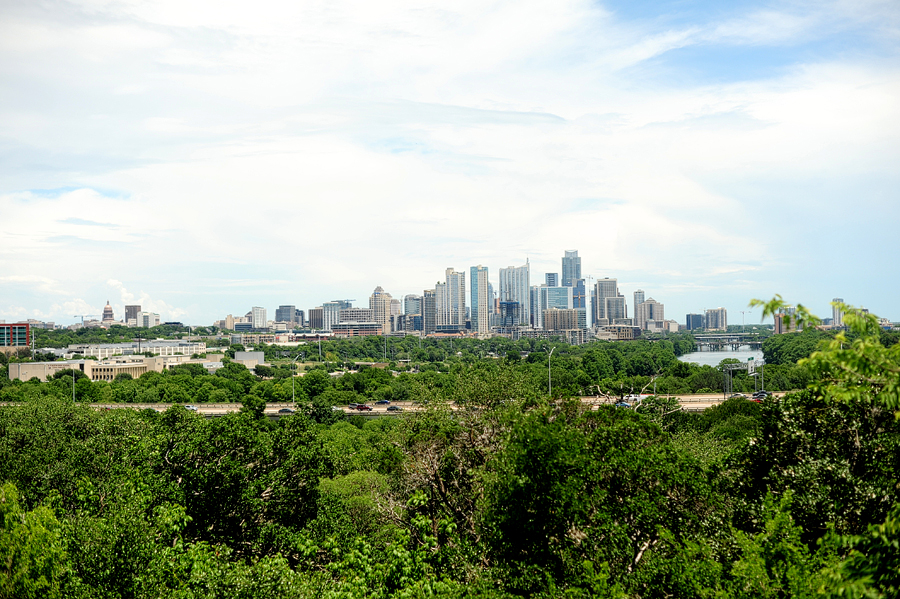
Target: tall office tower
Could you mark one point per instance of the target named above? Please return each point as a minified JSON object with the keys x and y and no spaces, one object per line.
{"x":550,"y":298}
{"x":716,"y":319}
{"x":131,"y":314}
{"x":286,"y":314}
{"x":616,"y":309}
{"x":648,"y":310}
{"x":299,"y":318}
{"x":579,"y":302}
{"x":693,"y":322}
{"x":603,"y":289}
{"x":571,"y":268}
{"x":395,"y":307}
{"x":638,"y":300}
{"x":412,"y":304}
{"x":429,"y":311}
{"x":229,"y":322}
{"x":441,"y":310}
{"x":515,"y":286}
{"x":552,"y":279}
{"x":332,"y":314}
{"x":556,"y":297}
{"x":492,"y":295}
{"x":316,"y":318}
{"x":534,"y":300}
{"x":481,"y":299}
{"x":380,"y":303}
{"x":258,"y":318}
{"x":837,"y":316}
{"x":456,"y":298}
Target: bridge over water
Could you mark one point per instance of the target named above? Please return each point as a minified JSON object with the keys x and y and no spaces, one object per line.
{"x":733,"y":341}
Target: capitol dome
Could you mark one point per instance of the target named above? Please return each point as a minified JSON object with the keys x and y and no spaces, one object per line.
{"x":108,"y":315}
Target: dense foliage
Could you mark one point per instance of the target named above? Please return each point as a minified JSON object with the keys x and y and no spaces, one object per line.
{"x":494,"y":489}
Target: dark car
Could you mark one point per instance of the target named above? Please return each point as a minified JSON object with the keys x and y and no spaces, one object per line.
{"x":761,"y":395}
{"x":623,"y":404}
{"x":395,"y":409}
{"x":382,"y":402}
{"x":363,"y":407}
{"x":285,"y":411}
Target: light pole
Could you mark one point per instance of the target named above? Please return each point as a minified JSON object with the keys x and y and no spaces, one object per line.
{"x":550,"y":375}
{"x":73,"y":384}
{"x":293,"y":394}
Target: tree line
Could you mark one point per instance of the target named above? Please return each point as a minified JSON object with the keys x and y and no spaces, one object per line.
{"x":493,"y":490}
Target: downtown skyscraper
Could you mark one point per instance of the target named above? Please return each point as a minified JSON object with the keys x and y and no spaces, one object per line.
{"x":571,"y":268}
{"x":481,"y":299}
{"x":515,"y":288}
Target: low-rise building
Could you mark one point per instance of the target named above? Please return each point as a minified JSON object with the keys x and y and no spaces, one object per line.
{"x":356,"y":329}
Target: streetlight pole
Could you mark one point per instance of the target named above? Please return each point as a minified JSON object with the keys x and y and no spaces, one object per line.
{"x":550,"y":375}
{"x":293,"y":394}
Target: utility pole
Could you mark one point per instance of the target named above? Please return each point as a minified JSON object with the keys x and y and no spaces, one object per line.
{"x":550,"y":375}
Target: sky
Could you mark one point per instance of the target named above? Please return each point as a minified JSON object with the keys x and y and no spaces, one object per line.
{"x":201,"y":158}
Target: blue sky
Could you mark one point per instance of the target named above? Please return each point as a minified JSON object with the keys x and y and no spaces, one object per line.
{"x":203,"y":158}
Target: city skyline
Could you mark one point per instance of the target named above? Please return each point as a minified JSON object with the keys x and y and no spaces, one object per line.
{"x":196,"y":160}
{"x":257,"y":312}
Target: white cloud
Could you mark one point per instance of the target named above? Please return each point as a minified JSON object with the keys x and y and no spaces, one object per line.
{"x":211,"y":151}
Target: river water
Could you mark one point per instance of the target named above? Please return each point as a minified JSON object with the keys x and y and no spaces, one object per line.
{"x":712,"y":358}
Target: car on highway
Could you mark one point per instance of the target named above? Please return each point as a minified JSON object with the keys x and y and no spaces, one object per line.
{"x":382,"y":402}
{"x":395,"y":409}
{"x":285,"y":411}
{"x":364,"y":408}
{"x":352,"y":406}
{"x":735,"y":395}
{"x":623,"y":404}
{"x":761,"y":395}
{"x":191,"y":408}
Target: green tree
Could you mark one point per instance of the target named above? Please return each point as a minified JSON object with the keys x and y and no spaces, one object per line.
{"x":32,"y":557}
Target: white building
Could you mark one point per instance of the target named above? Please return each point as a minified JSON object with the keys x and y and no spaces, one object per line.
{"x":258,"y":318}
{"x":380,"y":304}
{"x":515,"y":286}
{"x":649,"y":310}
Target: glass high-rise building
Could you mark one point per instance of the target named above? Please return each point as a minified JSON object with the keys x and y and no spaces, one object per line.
{"x":693,"y":322}
{"x":412,"y":304}
{"x":571,"y":268}
{"x":579,"y":302}
{"x":429,"y":311}
{"x":286,"y":314}
{"x":515,"y":287}
{"x":638,"y":298}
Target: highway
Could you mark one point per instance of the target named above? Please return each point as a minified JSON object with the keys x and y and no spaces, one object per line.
{"x":692,"y":403}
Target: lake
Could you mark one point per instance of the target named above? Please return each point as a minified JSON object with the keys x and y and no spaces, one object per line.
{"x":712,"y":358}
